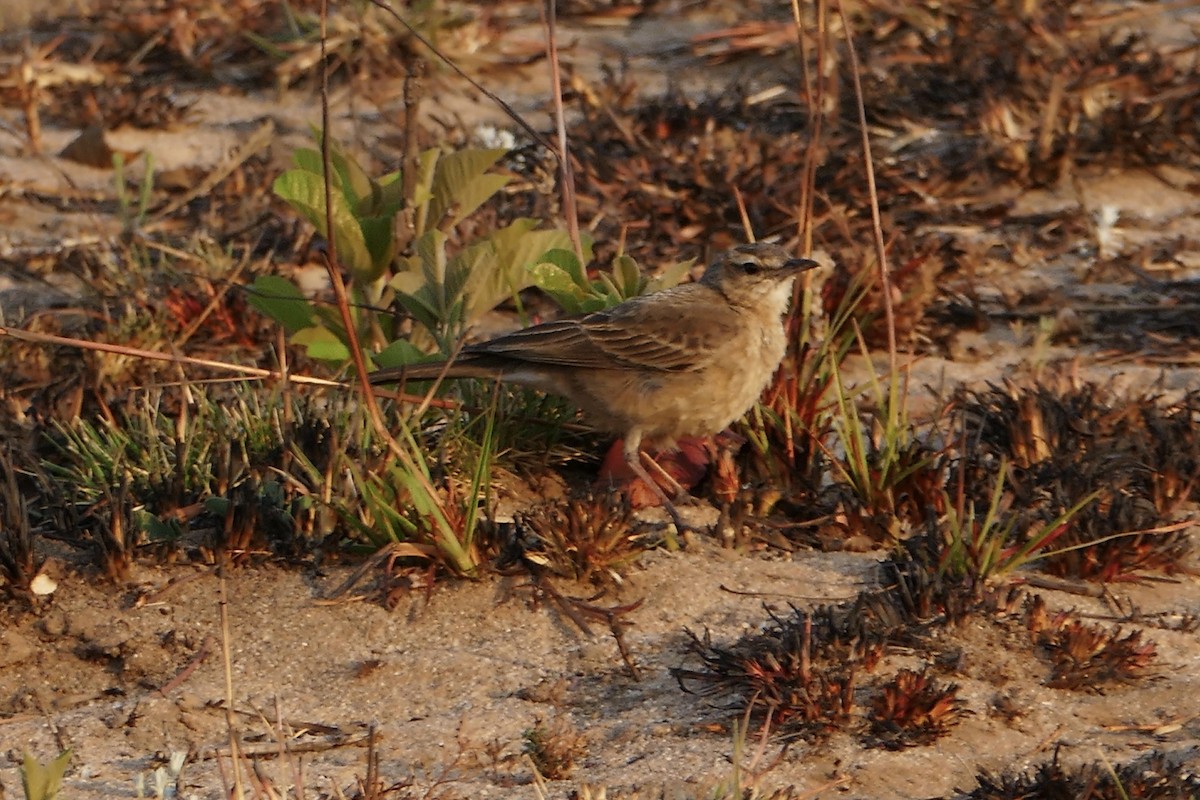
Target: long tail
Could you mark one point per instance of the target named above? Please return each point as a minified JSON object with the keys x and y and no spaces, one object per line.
{"x":465,"y":367}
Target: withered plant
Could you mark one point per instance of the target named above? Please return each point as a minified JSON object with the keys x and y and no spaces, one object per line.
{"x":1087,"y":657}
{"x":589,"y":538}
{"x":1154,"y":776}
{"x":1139,"y":458}
{"x":914,"y":709}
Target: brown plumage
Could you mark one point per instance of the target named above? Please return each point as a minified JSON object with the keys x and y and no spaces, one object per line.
{"x":686,"y":361}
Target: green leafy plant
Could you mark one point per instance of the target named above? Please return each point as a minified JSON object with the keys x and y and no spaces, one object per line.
{"x":563,"y":277}
{"x":444,"y":291}
{"x":419,"y":509}
{"x":444,"y":281}
{"x":363,"y":209}
{"x":893,"y":477}
{"x":43,"y":781}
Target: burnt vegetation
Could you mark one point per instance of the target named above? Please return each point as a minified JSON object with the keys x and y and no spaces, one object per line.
{"x":972,"y":105}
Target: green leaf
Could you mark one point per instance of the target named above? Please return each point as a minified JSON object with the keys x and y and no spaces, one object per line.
{"x":430,"y":249}
{"x":357,"y":186}
{"x":43,"y":781}
{"x":321,"y":343}
{"x":456,"y":282}
{"x":501,"y":265}
{"x":305,"y":192}
{"x":670,"y":276}
{"x":423,"y":188}
{"x":558,"y":283}
{"x":398,"y":354}
{"x":407,"y":281}
{"x":377,"y":235}
{"x":472,"y":196}
{"x":607,"y":289}
{"x":519,"y":247}
{"x":330,"y":318}
{"x":421,"y":310}
{"x":308,"y":160}
{"x":392,"y":198}
{"x":156,"y":529}
{"x":568,"y":263}
{"x":460,"y":184}
{"x":219,"y":506}
{"x":627,"y":276}
{"x":282,"y":301}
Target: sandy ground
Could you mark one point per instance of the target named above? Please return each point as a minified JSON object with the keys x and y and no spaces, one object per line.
{"x":453,"y":684}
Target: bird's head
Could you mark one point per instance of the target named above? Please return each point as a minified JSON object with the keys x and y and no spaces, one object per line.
{"x":750,"y":274}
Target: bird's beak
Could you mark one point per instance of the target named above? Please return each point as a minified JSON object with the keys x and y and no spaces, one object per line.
{"x":798,"y":265}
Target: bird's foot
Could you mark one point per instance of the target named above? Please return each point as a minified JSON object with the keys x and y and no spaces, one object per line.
{"x":680,"y":525}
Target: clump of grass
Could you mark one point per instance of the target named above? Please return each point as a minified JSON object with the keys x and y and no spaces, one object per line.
{"x":804,"y":674}
{"x":988,"y":544}
{"x":166,"y":466}
{"x":889,"y":476}
{"x":799,"y":676}
{"x":426,"y":509}
{"x":1115,"y":468}
{"x":1088,"y":657}
{"x":1154,"y":776}
{"x":17,"y":563}
{"x":591,"y":538}
{"x":914,"y":709}
{"x":553,"y":747}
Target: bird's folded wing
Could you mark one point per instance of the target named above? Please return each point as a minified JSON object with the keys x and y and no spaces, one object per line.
{"x":646,"y":335}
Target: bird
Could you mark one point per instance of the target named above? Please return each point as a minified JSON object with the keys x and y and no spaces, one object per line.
{"x":682,"y":362}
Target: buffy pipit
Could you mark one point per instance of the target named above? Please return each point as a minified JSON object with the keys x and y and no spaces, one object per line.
{"x":686,"y":361}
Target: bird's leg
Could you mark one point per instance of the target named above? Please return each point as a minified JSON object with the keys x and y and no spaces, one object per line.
{"x":633,"y":459}
{"x":679,"y":494}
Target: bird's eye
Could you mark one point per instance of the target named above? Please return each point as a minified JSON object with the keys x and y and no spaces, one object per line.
{"x":751,"y":267}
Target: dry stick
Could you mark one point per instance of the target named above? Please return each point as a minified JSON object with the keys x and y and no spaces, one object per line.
{"x":569,"y":206}
{"x":413,"y":91}
{"x":239,"y":792}
{"x":560,"y":120}
{"x":745,"y":215}
{"x":267,"y":749}
{"x":31,"y":96}
{"x":495,"y":98}
{"x":137,"y":352}
{"x":814,"y":96}
{"x":288,"y":401}
{"x":189,"y":668}
{"x":153,"y":355}
{"x":285,"y":752}
{"x":876,"y":224}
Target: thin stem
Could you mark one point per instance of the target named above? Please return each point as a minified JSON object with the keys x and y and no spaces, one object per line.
{"x":876,"y":223}
{"x":570,"y":211}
